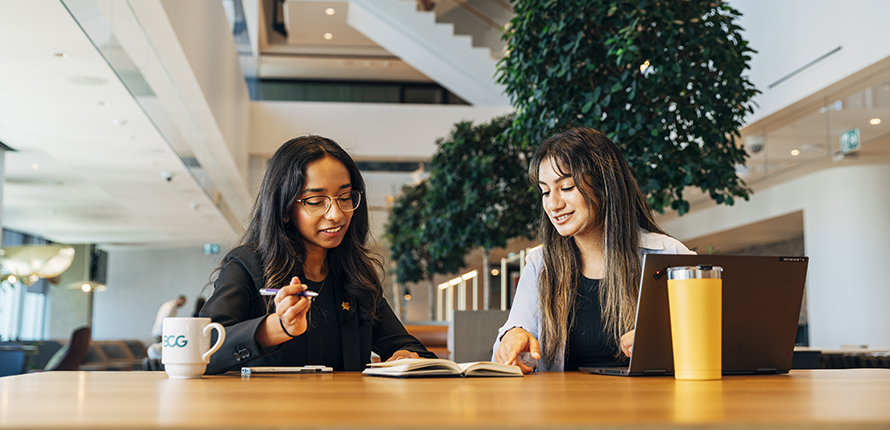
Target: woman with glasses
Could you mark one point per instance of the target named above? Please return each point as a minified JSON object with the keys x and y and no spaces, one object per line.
{"x":576,"y":299}
{"x":303,"y":288}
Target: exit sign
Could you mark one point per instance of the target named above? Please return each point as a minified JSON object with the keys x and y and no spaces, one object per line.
{"x":850,"y":141}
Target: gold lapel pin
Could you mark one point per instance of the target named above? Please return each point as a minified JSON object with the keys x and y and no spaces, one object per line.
{"x":345,"y":306}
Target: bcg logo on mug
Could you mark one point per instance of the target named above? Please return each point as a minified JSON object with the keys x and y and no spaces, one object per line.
{"x":173,"y":341}
{"x":186,"y":346}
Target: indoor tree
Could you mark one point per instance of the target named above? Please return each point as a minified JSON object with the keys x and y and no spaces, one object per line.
{"x":663,"y":79}
{"x":479,"y":195}
{"x":409,"y":248}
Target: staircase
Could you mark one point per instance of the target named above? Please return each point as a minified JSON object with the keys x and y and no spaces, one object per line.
{"x":430,"y":47}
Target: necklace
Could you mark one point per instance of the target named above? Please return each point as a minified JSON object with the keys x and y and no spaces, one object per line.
{"x":320,"y":285}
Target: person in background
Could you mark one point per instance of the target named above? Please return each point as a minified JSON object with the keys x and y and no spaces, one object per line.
{"x":576,"y":298}
{"x":309,"y":231}
{"x":166,"y":310}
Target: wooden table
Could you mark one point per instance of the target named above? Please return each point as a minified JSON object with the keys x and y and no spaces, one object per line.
{"x":856,"y":398}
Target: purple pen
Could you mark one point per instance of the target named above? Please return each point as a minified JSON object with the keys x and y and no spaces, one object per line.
{"x":274,"y":291}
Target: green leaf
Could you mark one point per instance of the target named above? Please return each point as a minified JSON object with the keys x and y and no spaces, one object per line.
{"x":596,"y":50}
{"x":477,"y":195}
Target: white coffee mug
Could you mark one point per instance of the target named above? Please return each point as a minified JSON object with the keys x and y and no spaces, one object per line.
{"x":185,"y":346}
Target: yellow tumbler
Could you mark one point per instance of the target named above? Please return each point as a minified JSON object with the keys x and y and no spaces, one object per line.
{"x":695,"y":294}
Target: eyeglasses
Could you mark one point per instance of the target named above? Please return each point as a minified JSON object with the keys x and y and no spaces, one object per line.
{"x":319,"y":205}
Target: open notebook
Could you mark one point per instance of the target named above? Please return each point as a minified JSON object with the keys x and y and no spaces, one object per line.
{"x":761,"y":307}
{"x":422,"y":367}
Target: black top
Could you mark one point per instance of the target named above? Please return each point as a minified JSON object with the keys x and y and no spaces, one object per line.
{"x":588,"y":344}
{"x":335,"y":336}
{"x":320,"y":343}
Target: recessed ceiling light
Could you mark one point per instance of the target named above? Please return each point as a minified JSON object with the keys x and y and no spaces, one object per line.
{"x":874,"y":121}
{"x":61,"y":55}
{"x":328,"y":36}
{"x":35,"y":166}
{"x":104,"y":103}
{"x":795,"y":152}
{"x":84,"y":80}
{"x":329,"y":11}
{"x":119,"y":122}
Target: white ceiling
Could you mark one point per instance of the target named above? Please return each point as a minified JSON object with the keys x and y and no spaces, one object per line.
{"x":806,"y":135}
{"x":99,"y":163}
{"x":88,"y":166}
{"x":306,"y":54}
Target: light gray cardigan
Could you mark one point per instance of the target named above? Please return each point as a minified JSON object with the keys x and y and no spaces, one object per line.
{"x":525,"y":312}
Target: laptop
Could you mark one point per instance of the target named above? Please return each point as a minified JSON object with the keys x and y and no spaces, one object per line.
{"x":761,"y":307}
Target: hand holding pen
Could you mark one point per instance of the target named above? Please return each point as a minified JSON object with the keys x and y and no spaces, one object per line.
{"x":274,"y":291}
{"x":291,"y":306}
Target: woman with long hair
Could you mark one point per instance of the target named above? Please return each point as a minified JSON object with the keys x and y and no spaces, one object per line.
{"x":576,"y":298}
{"x":309,"y":231}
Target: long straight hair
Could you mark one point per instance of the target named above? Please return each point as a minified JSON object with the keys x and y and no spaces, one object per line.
{"x":602,"y":175}
{"x":273,"y":235}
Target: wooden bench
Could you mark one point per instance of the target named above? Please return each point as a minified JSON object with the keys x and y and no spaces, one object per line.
{"x":433,"y":336}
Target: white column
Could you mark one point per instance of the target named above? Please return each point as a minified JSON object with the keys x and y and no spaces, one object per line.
{"x":847,"y":237}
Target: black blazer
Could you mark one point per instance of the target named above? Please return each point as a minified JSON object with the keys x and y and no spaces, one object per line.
{"x":238,"y":306}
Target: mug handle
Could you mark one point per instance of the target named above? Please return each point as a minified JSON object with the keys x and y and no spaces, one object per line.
{"x":222,"y":337}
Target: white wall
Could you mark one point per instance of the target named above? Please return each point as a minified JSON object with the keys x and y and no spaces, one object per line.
{"x":201,"y":88}
{"x":845,"y":235}
{"x":140,"y":280}
{"x":369,"y":130}
{"x":206,"y":39}
{"x":789,"y":34}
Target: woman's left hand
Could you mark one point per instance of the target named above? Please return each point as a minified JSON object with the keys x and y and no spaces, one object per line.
{"x":627,"y":343}
{"x":400,"y":354}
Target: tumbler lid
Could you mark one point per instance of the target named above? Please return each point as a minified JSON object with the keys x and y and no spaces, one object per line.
{"x":695,"y":272}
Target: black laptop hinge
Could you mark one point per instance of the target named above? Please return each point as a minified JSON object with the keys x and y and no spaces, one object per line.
{"x":654,"y":372}
{"x":766,"y":370}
